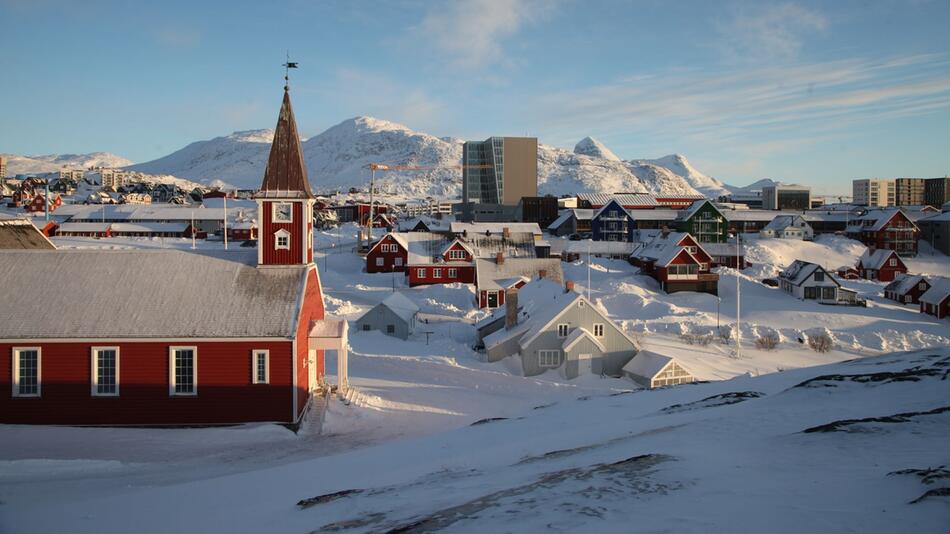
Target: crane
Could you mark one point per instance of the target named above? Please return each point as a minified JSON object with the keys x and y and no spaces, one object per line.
{"x":368,"y":229}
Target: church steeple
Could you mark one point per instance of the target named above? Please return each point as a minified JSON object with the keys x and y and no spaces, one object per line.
{"x":286,"y":175}
{"x":285,"y":202}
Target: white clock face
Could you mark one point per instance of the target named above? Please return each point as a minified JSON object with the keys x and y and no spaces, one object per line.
{"x":283,"y":212}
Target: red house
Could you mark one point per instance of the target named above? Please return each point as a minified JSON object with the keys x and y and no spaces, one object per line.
{"x":38,"y":203}
{"x":678,"y":263}
{"x":390,"y":253}
{"x":455,"y":262}
{"x":168,"y":337}
{"x":882,"y":265}
{"x":889,"y":229}
{"x":906,"y":289}
{"x":936,"y":300}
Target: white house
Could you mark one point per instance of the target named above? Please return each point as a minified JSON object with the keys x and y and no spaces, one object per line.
{"x":394,"y":316}
{"x":789,"y":227}
{"x":809,"y":281}
{"x":652,"y":370}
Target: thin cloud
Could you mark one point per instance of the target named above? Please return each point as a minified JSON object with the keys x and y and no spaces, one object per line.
{"x":471,"y":34}
{"x":768,"y":31}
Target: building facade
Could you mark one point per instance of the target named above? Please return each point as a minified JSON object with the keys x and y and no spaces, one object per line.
{"x":874,"y":192}
{"x":936,"y":192}
{"x":498,"y":171}
{"x":909,"y":191}
{"x":786,"y":197}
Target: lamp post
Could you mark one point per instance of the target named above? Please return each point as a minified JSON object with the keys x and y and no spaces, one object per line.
{"x":738,"y":300}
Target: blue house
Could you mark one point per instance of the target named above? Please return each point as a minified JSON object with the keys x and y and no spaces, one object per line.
{"x":612,"y":223}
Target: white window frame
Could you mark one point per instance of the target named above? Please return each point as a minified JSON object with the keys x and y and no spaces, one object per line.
{"x":566,"y":327}
{"x":281,"y":234}
{"x":397,"y":261}
{"x":380,"y":261}
{"x":437,"y":273}
{"x":598,"y":326}
{"x":256,"y":355}
{"x":274,"y":211}
{"x":453,"y":273}
{"x":549,"y":359}
{"x":171,"y":371}
{"x":94,"y":368}
{"x":15,"y":379}
{"x":893,"y":262}
{"x":421,"y":273}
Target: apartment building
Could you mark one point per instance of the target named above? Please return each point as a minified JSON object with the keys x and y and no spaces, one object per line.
{"x":71,"y":174}
{"x":936,"y":192}
{"x":114,"y":178}
{"x":909,"y":191}
{"x":786,"y":197}
{"x":3,"y":167}
{"x":874,"y":192}
{"x":497,"y":173}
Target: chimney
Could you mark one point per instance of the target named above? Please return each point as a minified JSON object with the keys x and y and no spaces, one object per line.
{"x":568,"y":286}
{"x":500,"y":258}
{"x":542,"y":273}
{"x":511,"y":308}
{"x":505,"y":232}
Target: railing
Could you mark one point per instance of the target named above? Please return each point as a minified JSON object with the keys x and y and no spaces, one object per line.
{"x":699,"y":277}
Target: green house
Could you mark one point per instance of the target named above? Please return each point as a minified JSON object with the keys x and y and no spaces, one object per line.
{"x":704,"y":222}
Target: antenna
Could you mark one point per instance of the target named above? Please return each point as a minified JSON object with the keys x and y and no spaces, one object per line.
{"x":287,"y":66}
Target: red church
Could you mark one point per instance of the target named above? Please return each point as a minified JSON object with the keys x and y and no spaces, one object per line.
{"x":169,"y":337}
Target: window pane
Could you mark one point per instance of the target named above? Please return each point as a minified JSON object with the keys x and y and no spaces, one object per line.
{"x":105,"y":372}
{"x":184,"y":371}
{"x":29,"y":372}
{"x":261,"y":368}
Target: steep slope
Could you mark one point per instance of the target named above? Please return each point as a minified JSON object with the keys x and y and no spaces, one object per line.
{"x":563,"y":172}
{"x":589,"y":146}
{"x":54,"y":162}
{"x":680,"y":166}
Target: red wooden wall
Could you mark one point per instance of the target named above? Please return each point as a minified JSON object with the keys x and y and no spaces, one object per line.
{"x":266,"y":239}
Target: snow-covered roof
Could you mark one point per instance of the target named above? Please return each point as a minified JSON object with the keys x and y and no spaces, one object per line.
{"x":904,"y":283}
{"x":145,"y":212}
{"x":432,"y":223}
{"x":150,"y":227}
{"x":781,"y":222}
{"x":695,"y":207}
{"x":876,"y":259}
{"x":749,"y":215}
{"x":147,"y":294}
{"x":663,"y":249}
{"x":563,"y":217}
{"x":723,"y":249}
{"x":800,"y":271}
{"x":654,"y":215}
{"x":22,"y":234}
{"x":647,"y":364}
{"x":578,"y":334}
{"x":494,"y":227}
{"x":880,"y":218}
{"x":488,"y":273}
{"x":624,"y":199}
{"x":540,"y":301}
{"x":938,"y":292}
{"x":400,"y":304}
{"x":941,"y":217}
{"x":600,"y":247}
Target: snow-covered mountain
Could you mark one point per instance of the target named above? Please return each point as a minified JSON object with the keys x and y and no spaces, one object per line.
{"x":54,"y":162}
{"x":337,"y":158}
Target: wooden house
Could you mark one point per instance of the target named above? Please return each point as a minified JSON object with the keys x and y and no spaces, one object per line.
{"x":936,"y":300}
{"x":809,"y":281}
{"x":881,"y":264}
{"x":906,"y":289}
{"x":652,"y":370}
{"x":888,"y":228}
{"x":678,"y":262}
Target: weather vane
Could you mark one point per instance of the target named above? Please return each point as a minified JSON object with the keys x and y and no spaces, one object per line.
{"x":287,"y":66}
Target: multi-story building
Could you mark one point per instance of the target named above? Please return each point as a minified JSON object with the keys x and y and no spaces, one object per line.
{"x":936,"y":192}
{"x":935,"y":231}
{"x":497,"y":173}
{"x":786,"y":197}
{"x":874,"y":192}
{"x":888,"y":229}
{"x":3,"y":167}
{"x":71,"y":174}
{"x":113,"y":178}
{"x":909,"y":191}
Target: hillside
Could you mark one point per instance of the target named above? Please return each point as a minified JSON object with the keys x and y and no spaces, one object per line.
{"x":54,"y":162}
{"x":336,"y":159}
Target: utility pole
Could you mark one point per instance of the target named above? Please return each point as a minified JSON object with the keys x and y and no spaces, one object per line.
{"x":588,"y":270}
{"x":738,"y":300}
{"x":225,"y":221}
{"x":192,"y":229}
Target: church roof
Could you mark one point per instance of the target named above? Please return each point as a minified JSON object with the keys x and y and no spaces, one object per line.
{"x":286,"y":175}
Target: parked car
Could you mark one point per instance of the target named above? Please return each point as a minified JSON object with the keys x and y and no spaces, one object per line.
{"x":574,"y":237}
{"x":771,"y":282}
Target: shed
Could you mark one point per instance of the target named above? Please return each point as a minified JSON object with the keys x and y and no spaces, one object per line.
{"x":394,"y":316}
{"x":652,"y":370}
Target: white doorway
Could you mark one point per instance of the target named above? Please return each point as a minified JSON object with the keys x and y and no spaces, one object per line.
{"x":584,"y":364}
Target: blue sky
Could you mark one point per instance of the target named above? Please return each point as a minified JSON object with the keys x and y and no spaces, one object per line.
{"x":811,"y":92}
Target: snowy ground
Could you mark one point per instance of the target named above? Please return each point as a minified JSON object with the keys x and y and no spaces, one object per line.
{"x":396,"y":441}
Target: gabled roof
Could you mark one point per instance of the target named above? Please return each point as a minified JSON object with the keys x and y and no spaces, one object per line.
{"x":647,"y":364}
{"x":938,"y":292}
{"x":488,"y":273}
{"x":904,"y":283}
{"x":781,"y":222}
{"x":578,"y":334}
{"x":876,"y":259}
{"x":612,"y":204}
{"x":800,"y":271}
{"x":663,"y":249}
{"x":22,"y":234}
{"x":400,"y":305}
{"x":147,"y":294}
{"x":695,"y":207}
{"x":880,"y":218}
{"x":286,"y":174}
{"x":457,"y":241}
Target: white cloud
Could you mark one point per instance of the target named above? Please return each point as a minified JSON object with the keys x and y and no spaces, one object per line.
{"x":768,"y":31}
{"x":471,"y":33}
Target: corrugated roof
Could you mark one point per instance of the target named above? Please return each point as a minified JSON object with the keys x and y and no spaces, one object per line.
{"x":624,"y":199}
{"x":101,"y":294}
{"x":21,"y":234}
{"x":495,"y":228}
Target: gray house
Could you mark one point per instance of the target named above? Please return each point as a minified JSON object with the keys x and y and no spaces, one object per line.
{"x":394,"y":316}
{"x":555,"y":327}
{"x":652,"y":370}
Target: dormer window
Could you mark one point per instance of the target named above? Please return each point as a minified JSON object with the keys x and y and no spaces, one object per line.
{"x":283,"y":212}
{"x":281,"y":240}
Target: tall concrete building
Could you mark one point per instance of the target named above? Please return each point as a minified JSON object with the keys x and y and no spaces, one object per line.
{"x":874,"y":192}
{"x":510,"y":172}
{"x":909,"y":191}
{"x":786,"y":197}
{"x":936,"y":192}
{"x":3,"y":167}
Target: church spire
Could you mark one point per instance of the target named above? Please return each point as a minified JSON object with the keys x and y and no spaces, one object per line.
{"x":286,"y":175}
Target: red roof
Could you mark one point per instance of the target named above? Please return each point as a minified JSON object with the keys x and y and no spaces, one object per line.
{"x":286,"y":175}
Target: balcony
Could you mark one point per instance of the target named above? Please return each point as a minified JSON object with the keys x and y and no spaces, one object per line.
{"x":699,"y":277}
